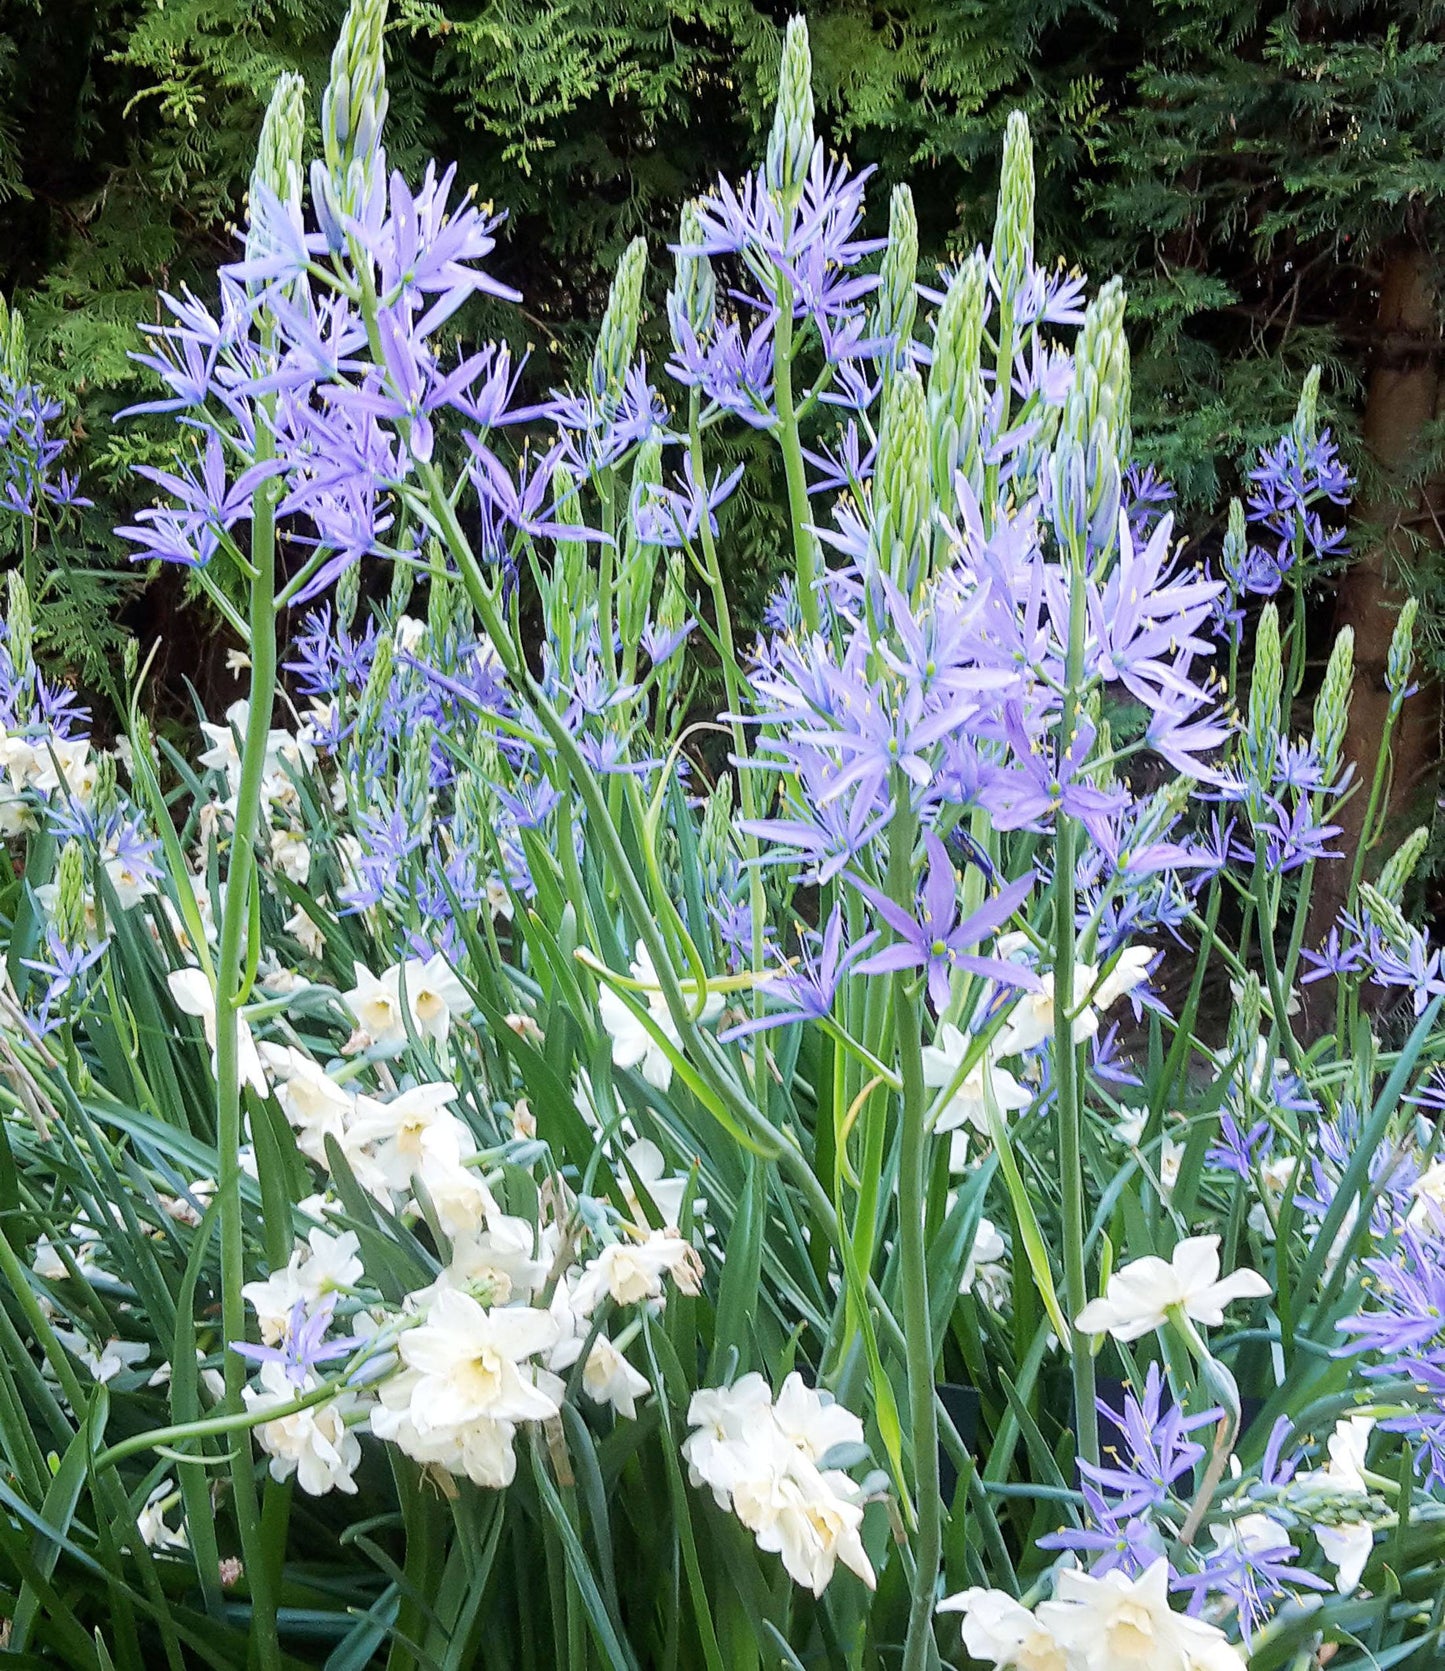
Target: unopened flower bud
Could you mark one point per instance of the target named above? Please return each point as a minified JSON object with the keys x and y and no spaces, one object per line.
{"x":1306,"y":425}
{"x":956,"y":397}
{"x":1236,"y":542}
{"x":634,"y":581}
{"x":348,"y":594}
{"x":617,"y":335}
{"x":1332,"y":705}
{"x":1387,"y":917}
{"x":897,"y":298}
{"x":901,"y":482}
{"x":70,"y":892}
{"x":790,"y":144}
{"x":692,"y":301}
{"x":1013,"y":227}
{"x":1265,"y":686}
{"x":278,"y":162}
{"x":19,"y":623}
{"x":353,"y":107}
{"x":1400,"y":866}
{"x":1400,"y":662}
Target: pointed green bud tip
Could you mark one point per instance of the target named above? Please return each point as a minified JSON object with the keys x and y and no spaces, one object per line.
{"x":19,"y":622}
{"x":1266,"y":685}
{"x":1013,"y":228}
{"x":353,"y":107}
{"x":790,"y":144}
{"x":70,"y":900}
{"x":1332,"y":704}
{"x":1397,"y":870}
{"x":617,"y":335}
{"x":1306,"y":418}
{"x":1400,"y":663}
{"x":897,"y":304}
{"x":693,"y":297}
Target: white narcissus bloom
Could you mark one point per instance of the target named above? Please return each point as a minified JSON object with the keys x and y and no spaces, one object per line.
{"x":503,"y":1255}
{"x":664,"y":1192}
{"x":760,"y":1462}
{"x":607,"y":1377}
{"x":1347,"y":1543}
{"x":723,"y":1419}
{"x":310,"y":1098}
{"x":113,"y":1359}
{"x":1031,"y":1021}
{"x":375,"y":1001}
{"x":633,"y":1046}
{"x":1130,"y":971}
{"x":481,"y":1450}
{"x":318,"y":1445}
{"x":306,"y":932}
{"x":470,"y":1363}
{"x":1140,"y":1297}
{"x":194,"y":995}
{"x":291,"y":855}
{"x":984,"y":1266}
{"x":151,"y":1521}
{"x":404,"y":1133}
{"x":1001,"y":1631}
{"x":435,"y":996}
{"x":632,"y":1271}
{"x":1117,"y":1623}
{"x":967,"y":1106}
{"x":812,"y":1421}
{"x":323,"y":1266}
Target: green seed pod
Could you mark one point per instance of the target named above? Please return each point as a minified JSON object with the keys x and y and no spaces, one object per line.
{"x":693,"y":297}
{"x":1400,"y":866}
{"x":790,"y":144}
{"x":902,"y":497}
{"x":1332,"y":705}
{"x":278,"y":159}
{"x":1013,"y":227}
{"x":19,"y":623}
{"x":896,"y":305}
{"x":617,"y":336}
{"x":1400,"y":662}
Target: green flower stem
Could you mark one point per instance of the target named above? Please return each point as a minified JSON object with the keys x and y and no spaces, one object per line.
{"x":805,"y":542}
{"x":231,"y":960}
{"x":732,"y":683}
{"x":1070,"y":1098}
{"x":913,"y":1260}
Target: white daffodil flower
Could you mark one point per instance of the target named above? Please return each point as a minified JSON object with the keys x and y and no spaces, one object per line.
{"x":1140,"y":1297}
{"x":968,"y":1106}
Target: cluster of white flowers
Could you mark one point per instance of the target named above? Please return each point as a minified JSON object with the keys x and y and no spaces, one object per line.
{"x":766,"y":1461}
{"x":1109,"y":1623}
{"x":634,"y":1044}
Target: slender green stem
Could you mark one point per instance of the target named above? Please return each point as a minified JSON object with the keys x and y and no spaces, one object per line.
{"x":805,"y":542}
{"x":230,"y":971}
{"x":913,"y":1264}
{"x":1069,"y":1098}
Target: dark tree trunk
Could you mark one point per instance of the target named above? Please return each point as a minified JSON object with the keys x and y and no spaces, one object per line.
{"x":1406,"y":391}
